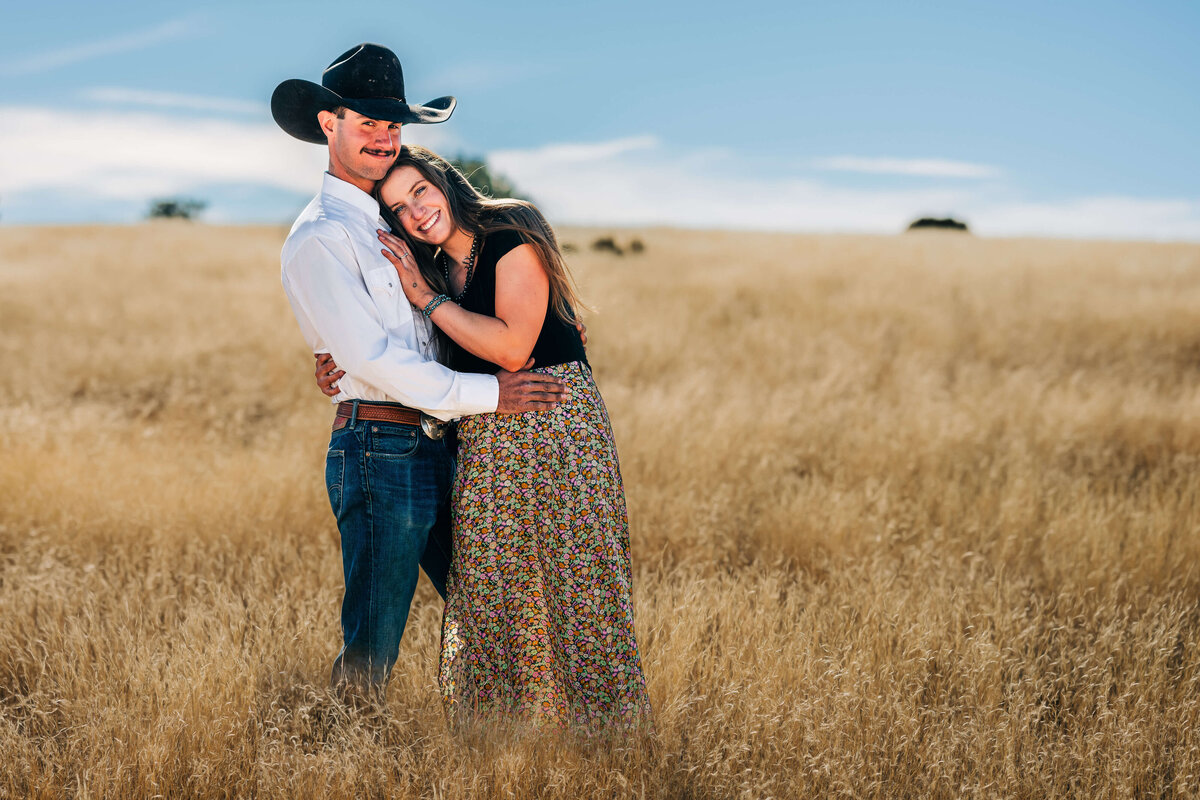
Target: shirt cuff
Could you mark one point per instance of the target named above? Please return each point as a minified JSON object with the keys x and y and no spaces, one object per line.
{"x":480,"y":394}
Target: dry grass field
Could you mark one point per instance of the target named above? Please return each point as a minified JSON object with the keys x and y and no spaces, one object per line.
{"x":913,"y":517}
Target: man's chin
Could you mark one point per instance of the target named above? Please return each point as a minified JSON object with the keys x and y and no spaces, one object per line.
{"x":377,"y":168}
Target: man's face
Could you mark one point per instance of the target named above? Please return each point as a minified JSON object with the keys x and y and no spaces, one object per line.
{"x":361,"y":149}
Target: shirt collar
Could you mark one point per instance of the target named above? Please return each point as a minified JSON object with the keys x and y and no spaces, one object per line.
{"x":349,"y":193}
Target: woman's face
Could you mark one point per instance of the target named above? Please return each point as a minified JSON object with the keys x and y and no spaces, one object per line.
{"x":418,"y":204}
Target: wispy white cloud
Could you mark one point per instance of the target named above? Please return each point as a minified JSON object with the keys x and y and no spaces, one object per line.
{"x":134,"y":156}
{"x":924,"y":167}
{"x":73,"y":54}
{"x":114,"y":95}
{"x":614,"y":183}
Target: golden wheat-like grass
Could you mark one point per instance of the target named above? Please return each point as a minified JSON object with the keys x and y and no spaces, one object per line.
{"x":913,"y":516}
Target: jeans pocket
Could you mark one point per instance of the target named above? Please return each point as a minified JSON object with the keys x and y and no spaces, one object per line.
{"x":335,"y":468}
{"x":393,"y":441}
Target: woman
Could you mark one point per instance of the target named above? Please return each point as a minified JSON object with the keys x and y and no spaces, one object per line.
{"x":539,"y":617}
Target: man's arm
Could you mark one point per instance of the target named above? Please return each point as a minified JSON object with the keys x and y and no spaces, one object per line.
{"x":331,"y":295}
{"x":327,"y":374}
{"x":322,"y":283}
{"x":519,"y":391}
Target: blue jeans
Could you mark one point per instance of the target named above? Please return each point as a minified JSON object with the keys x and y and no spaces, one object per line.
{"x":389,"y":486}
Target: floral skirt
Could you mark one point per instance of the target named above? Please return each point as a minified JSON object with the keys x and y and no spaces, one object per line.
{"x":539,"y":615}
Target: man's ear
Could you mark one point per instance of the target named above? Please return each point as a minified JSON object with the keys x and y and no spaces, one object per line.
{"x":326,"y":119}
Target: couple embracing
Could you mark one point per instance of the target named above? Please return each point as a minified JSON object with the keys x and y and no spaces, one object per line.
{"x":447,"y":453}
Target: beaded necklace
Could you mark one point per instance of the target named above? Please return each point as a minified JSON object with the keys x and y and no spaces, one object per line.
{"x":468,"y":265}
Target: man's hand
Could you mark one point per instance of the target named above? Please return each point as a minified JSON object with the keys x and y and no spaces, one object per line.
{"x":529,"y":391}
{"x":327,"y":374}
{"x":579,"y":326}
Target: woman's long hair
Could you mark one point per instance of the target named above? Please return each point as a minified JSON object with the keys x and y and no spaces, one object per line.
{"x":478,"y":214}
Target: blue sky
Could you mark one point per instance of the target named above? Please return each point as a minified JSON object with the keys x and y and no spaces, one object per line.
{"x":1063,"y":119}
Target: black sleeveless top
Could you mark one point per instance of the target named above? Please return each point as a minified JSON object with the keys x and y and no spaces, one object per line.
{"x":558,"y":342}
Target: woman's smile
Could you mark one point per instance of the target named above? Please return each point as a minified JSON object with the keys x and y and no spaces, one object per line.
{"x":429,"y":223}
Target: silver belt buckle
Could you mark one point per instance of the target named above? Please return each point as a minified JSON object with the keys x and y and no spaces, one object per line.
{"x":432,"y":427}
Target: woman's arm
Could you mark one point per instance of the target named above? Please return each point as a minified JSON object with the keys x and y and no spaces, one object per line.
{"x":522,"y":294}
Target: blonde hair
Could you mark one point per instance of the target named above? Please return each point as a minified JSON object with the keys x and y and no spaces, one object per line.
{"x":477,"y":213}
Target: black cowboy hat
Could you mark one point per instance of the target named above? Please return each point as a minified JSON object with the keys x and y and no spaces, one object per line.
{"x":366,"y":79}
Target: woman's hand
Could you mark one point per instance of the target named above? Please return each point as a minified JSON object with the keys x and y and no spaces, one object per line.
{"x":327,"y":374}
{"x":411,"y":280}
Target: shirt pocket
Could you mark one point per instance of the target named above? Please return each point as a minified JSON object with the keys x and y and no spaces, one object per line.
{"x":382,"y":282}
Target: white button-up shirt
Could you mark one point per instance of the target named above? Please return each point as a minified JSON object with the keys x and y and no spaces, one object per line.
{"x":347,"y":298}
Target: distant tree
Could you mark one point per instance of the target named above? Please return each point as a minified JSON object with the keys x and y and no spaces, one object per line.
{"x":175,"y":208}
{"x":493,"y":184}
{"x":946,"y":224}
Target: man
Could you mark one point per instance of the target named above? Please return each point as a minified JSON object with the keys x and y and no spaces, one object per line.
{"x":388,"y":471}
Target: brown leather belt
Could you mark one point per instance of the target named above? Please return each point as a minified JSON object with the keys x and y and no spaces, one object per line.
{"x":376,"y":412}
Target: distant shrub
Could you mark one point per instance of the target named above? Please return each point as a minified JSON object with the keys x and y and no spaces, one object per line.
{"x":567,"y":247}
{"x":175,"y":208}
{"x":946,"y":224}
{"x":607,"y":244}
{"x":636,"y":246}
